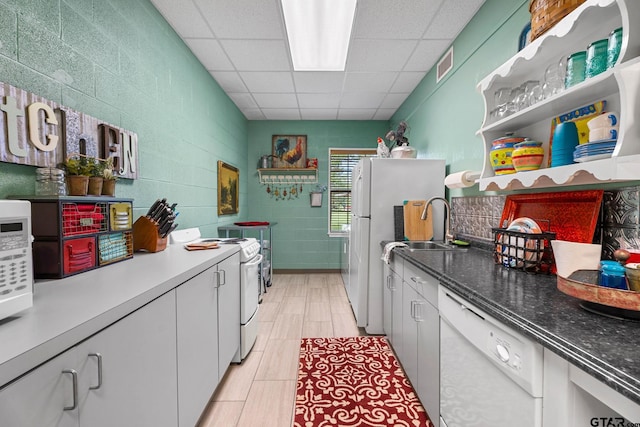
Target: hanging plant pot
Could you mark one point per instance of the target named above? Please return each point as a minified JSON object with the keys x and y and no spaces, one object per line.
{"x":109,"y":187}
{"x":77,"y":185}
{"x":95,"y":186}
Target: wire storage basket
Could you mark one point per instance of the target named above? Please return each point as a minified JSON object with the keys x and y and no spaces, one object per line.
{"x":529,"y":252}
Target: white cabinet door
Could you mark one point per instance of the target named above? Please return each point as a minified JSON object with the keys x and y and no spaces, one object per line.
{"x":228,"y":311}
{"x":197,"y":331}
{"x":428,"y":382}
{"x":39,"y":398}
{"x":138,"y":363}
{"x":409,"y":342}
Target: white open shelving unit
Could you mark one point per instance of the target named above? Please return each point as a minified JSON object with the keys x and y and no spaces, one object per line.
{"x":619,"y":86}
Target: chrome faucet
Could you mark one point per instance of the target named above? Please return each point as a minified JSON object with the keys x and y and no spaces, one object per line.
{"x":448,"y":237}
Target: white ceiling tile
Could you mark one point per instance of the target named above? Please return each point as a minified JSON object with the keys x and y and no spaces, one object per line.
{"x":210,"y":54}
{"x":253,"y":114}
{"x":243,"y":100}
{"x":320,"y":81}
{"x":379,"y":55}
{"x":243,"y":19}
{"x":393,"y":100}
{"x":394,"y":19}
{"x":257,"y":55}
{"x":364,"y":82}
{"x":276,"y":100}
{"x":281,"y":113}
{"x":452,"y":18}
{"x":229,"y":81}
{"x":184,"y":17}
{"x":318,"y":113}
{"x":319,"y":100}
{"x":356,"y":114}
{"x":407,"y":81}
{"x":384,"y":114}
{"x":268,"y":81}
{"x":427,"y":55}
{"x":361,"y":100}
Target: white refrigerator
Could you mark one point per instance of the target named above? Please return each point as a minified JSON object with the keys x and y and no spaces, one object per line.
{"x":379,"y":185}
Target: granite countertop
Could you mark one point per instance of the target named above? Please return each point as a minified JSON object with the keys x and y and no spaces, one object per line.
{"x":602,"y":346}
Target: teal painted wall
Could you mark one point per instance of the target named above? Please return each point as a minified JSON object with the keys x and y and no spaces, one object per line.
{"x":445,"y":116}
{"x":119,"y":61}
{"x":300,"y":238}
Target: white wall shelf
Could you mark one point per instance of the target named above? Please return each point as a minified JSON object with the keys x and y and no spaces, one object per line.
{"x":288,"y":176}
{"x":619,"y":86}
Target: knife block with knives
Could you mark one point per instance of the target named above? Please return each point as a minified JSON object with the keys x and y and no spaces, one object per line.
{"x":150,"y":232}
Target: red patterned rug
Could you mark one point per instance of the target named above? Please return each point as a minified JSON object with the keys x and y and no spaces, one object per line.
{"x":354,"y":381}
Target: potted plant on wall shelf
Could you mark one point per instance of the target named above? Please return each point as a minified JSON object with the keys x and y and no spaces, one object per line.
{"x":109,"y":183}
{"x":96,"y":179}
{"x":78,"y":170}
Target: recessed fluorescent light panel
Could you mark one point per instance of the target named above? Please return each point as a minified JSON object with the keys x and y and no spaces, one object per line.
{"x":319,"y":33}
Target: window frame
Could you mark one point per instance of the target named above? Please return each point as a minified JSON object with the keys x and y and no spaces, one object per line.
{"x":334,"y":152}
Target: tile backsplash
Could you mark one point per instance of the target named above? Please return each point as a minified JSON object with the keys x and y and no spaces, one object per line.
{"x":619,"y":224}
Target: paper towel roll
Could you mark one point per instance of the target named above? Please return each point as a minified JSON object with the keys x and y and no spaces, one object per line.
{"x":461,"y":179}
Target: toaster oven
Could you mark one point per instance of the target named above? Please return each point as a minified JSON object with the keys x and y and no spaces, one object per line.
{"x":16,"y":264}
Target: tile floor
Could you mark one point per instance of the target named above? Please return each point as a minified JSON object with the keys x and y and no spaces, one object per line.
{"x":261,"y":390}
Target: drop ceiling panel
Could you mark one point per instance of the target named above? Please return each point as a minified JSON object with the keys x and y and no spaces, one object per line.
{"x":243,"y":45}
{"x":210,"y":54}
{"x":379,"y":55}
{"x":319,"y":100}
{"x":184,"y":17}
{"x":394,"y":19}
{"x":363,"y":82}
{"x":276,"y":100}
{"x":268,"y":81}
{"x":229,"y":81}
{"x":243,"y":19}
{"x":257,"y":55}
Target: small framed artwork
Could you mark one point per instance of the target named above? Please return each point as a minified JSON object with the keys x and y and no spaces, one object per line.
{"x":290,"y":150}
{"x":228,"y":189}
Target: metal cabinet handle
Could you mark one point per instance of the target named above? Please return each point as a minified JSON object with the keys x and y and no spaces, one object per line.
{"x":418,"y":313}
{"x":98,"y":356}
{"x":224,"y":277}
{"x":74,"y":379}
{"x":417,"y":279}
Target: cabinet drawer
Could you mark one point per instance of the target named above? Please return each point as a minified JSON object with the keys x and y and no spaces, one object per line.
{"x":423,"y":283}
{"x":114,"y":247}
{"x":120,"y":216}
{"x":83,"y":218}
{"x":79,"y":254}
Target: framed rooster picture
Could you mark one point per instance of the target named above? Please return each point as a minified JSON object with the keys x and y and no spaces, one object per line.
{"x":290,"y":150}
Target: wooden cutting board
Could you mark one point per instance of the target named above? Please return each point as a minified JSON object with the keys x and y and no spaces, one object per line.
{"x":414,"y":227}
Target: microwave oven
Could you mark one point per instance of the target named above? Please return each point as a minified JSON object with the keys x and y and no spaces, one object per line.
{"x":16,"y":262}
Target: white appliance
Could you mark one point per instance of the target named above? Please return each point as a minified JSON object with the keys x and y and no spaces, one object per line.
{"x":490,"y":375}
{"x":379,"y":185}
{"x":16,"y":262}
{"x":250,"y":261}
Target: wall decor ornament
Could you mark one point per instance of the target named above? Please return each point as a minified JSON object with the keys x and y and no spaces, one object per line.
{"x":228,"y":189}
{"x":290,"y":150}
{"x":38,"y":132}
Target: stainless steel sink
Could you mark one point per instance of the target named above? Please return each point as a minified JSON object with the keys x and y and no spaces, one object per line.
{"x":429,"y":245}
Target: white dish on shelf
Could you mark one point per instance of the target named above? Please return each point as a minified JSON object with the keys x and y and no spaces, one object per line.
{"x":583,"y":159}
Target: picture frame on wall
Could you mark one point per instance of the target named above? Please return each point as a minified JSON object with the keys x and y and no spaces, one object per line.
{"x":228,"y":189}
{"x":289,"y":150}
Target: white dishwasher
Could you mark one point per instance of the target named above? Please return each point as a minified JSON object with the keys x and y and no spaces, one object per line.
{"x":490,"y":375}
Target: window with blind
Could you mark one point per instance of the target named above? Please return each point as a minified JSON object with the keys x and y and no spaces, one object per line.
{"x":341,"y":164}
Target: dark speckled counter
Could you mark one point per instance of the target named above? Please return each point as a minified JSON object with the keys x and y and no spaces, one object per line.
{"x":604,"y":347}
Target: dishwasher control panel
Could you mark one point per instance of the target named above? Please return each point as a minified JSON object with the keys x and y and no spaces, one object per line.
{"x":506,"y":348}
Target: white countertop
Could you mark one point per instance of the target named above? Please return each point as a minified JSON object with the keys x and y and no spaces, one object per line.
{"x":67,"y":311}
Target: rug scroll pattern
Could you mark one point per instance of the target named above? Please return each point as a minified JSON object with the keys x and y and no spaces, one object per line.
{"x":354,"y":381}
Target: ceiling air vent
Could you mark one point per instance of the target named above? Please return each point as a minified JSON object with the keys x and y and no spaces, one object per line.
{"x":445,"y":64}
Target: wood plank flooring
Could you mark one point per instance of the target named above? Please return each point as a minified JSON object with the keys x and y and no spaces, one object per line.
{"x":261,"y":390}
